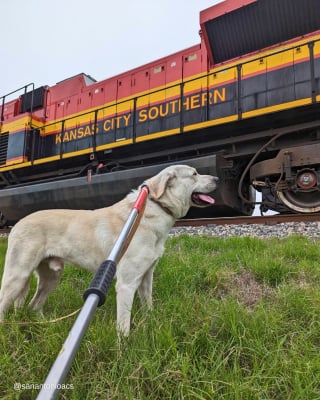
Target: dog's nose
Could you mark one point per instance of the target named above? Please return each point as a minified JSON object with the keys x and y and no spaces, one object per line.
{"x":216,"y":180}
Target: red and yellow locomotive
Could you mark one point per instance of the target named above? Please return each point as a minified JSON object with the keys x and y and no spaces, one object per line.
{"x":243,"y":104}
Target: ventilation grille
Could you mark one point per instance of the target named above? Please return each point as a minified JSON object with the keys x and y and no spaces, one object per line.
{"x":259,"y":25}
{"x":4,"y":138}
{"x":32,"y":100}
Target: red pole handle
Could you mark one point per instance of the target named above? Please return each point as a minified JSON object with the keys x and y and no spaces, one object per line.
{"x":141,"y":200}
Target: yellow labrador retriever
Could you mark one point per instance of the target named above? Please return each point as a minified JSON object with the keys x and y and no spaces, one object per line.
{"x":43,"y":241}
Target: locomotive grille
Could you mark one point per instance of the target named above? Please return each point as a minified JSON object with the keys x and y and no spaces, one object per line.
{"x":32,"y":100}
{"x":4,"y":138}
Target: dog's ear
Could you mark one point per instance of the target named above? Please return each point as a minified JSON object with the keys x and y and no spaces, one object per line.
{"x":158,"y":184}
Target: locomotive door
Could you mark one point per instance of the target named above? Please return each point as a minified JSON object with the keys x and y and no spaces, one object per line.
{"x":140,"y":86}
{"x":195,"y":98}
{"x":121,"y":120}
{"x":32,"y":145}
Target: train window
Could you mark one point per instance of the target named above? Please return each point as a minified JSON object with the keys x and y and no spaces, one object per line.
{"x":192,"y":57}
{"x":158,"y":69}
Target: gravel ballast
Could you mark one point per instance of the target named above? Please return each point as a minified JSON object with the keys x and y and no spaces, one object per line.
{"x":281,"y":230}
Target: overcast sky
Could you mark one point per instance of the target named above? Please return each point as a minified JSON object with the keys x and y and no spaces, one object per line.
{"x":46,"y":41}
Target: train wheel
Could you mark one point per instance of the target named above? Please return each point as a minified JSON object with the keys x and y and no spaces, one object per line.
{"x":306,"y":198}
{"x":308,"y":202}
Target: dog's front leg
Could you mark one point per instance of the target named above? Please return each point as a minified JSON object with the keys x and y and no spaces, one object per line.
{"x":145,"y":288}
{"x":125,"y":296}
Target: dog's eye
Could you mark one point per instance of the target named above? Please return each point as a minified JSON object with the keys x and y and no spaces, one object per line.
{"x":195,"y":173}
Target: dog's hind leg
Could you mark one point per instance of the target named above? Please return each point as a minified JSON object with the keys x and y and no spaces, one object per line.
{"x":19,"y":264}
{"x":48,"y":274}
{"x":12,"y":288}
{"x":21,"y":299}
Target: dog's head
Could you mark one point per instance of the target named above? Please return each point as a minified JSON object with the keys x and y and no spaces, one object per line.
{"x":180,"y":187}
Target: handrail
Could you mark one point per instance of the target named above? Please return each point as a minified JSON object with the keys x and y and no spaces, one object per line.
{"x":25,"y":87}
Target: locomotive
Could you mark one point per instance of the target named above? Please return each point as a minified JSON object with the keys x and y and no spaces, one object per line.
{"x":243,"y":104}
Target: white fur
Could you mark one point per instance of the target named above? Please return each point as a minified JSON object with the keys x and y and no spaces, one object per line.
{"x":43,"y":241}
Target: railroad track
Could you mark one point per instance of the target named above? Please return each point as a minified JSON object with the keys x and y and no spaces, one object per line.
{"x":244,"y":220}
{"x":266,"y":220}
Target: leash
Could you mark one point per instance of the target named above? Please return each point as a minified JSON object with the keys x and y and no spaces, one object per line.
{"x":51,"y":321}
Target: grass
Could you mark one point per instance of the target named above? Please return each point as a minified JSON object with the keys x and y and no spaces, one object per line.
{"x":235,"y":318}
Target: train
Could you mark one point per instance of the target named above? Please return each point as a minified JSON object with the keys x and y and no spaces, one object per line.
{"x":242,"y":104}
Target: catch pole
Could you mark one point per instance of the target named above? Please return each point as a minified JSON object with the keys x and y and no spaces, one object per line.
{"x":94,"y":297}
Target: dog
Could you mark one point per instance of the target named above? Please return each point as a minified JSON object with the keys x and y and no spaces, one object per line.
{"x":43,"y":241}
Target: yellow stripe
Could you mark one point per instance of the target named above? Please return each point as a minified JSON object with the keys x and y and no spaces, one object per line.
{"x":316,"y":48}
{"x":77,"y":153}
{"x":187,"y":128}
{"x":21,"y":124}
{"x":15,"y":166}
{"x":277,"y":107}
{"x":217,"y":78}
{"x":195,"y":85}
{"x":115,"y":144}
{"x":213,"y":122}
{"x":13,"y":126}
{"x":47,"y":159}
{"x":36,"y":124}
{"x":157,"y":135}
{"x":17,"y":160}
{"x":269,"y":52}
{"x":85,"y":151}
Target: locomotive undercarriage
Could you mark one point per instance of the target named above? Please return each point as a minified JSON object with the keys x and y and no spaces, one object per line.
{"x":291,"y":178}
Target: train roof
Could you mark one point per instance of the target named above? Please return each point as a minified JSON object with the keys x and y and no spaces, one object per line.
{"x":237,"y":27}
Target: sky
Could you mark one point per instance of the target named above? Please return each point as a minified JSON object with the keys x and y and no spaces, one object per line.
{"x":45,"y":41}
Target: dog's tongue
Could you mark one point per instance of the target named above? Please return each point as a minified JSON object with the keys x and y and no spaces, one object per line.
{"x":205,"y":198}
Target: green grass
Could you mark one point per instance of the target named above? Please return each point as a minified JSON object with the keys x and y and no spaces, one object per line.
{"x":235,"y":318}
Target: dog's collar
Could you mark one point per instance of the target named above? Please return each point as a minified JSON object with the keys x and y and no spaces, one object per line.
{"x":165,"y":209}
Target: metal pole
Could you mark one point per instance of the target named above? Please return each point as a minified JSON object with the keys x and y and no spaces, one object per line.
{"x":94,"y":297}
